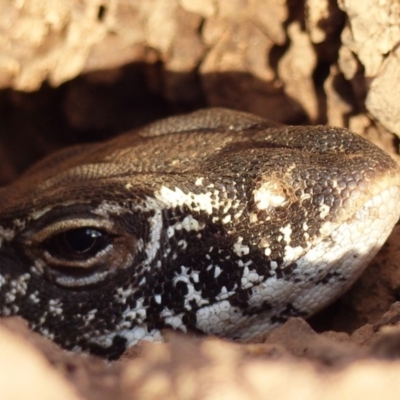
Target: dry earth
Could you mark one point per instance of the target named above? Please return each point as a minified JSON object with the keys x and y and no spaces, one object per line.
{"x":78,"y":71}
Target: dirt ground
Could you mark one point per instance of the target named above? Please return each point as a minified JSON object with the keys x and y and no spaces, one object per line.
{"x":82,"y":71}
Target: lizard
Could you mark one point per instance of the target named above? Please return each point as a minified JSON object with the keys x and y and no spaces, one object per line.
{"x":216,"y":222}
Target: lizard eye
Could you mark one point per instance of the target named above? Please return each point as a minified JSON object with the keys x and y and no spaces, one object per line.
{"x":80,"y":251}
{"x":78,"y":243}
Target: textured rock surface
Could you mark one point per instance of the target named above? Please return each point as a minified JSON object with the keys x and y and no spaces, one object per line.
{"x":328,"y":366}
{"x":82,"y":71}
{"x":26,"y":374}
{"x":85,"y":70}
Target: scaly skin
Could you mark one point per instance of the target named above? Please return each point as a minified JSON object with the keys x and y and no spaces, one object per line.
{"x":217,"y":222}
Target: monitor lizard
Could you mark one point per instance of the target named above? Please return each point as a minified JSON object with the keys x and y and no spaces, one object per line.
{"x":217,"y":222}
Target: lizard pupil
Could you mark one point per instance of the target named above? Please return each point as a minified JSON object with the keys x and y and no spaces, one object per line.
{"x":79,"y":242}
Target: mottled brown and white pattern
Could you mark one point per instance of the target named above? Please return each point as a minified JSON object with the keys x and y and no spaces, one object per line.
{"x":217,"y":222}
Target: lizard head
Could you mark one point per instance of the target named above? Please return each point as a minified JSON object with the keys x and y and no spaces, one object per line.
{"x":216,"y":222}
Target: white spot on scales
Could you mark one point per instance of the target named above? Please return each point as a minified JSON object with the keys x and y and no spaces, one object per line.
{"x":287,"y":233}
{"x":270,"y":195}
{"x":177,"y":198}
{"x":239,"y":248}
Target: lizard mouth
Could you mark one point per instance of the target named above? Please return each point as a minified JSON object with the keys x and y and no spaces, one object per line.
{"x":324,"y":272}
{"x":345,"y":249}
{"x":365,"y":231}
